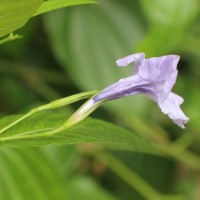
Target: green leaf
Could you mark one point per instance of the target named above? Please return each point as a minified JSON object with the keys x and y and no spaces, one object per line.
{"x":34,"y":131}
{"x":56,"y":4}
{"x":169,"y":22}
{"x":15,"y":13}
{"x":29,"y":174}
{"x":89,"y":39}
{"x":166,"y":11}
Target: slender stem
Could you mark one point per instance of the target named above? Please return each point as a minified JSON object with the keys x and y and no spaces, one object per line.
{"x":16,"y":122}
{"x":52,"y":105}
{"x":128,"y":176}
{"x":186,"y":157}
{"x":42,"y":135}
{"x":131,"y":178}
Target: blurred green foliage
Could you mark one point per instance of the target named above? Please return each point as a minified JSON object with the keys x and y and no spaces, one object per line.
{"x":73,"y":50}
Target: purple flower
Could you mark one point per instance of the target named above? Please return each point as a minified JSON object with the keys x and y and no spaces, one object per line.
{"x":154,"y":77}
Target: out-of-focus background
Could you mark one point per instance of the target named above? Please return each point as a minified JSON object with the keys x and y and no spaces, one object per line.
{"x":73,"y":50}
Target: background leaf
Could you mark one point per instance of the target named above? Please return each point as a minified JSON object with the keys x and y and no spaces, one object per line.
{"x":168,"y":24}
{"x":29,"y":173}
{"x":42,"y":173}
{"x":15,"y":13}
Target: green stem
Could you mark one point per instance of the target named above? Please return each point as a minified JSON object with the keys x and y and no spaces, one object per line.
{"x":16,"y":122}
{"x":186,"y":157}
{"x":131,"y":178}
{"x":52,"y":105}
{"x":38,"y":135}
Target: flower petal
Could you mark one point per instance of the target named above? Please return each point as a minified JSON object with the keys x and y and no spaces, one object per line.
{"x":171,"y":107}
{"x":137,"y":58}
{"x":161,"y":72}
{"x":159,"y":68}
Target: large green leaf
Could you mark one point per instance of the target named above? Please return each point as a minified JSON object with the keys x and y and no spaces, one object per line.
{"x":56,"y":4}
{"x":29,"y":174}
{"x":33,"y":131}
{"x":89,"y":39}
{"x":15,"y":13}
